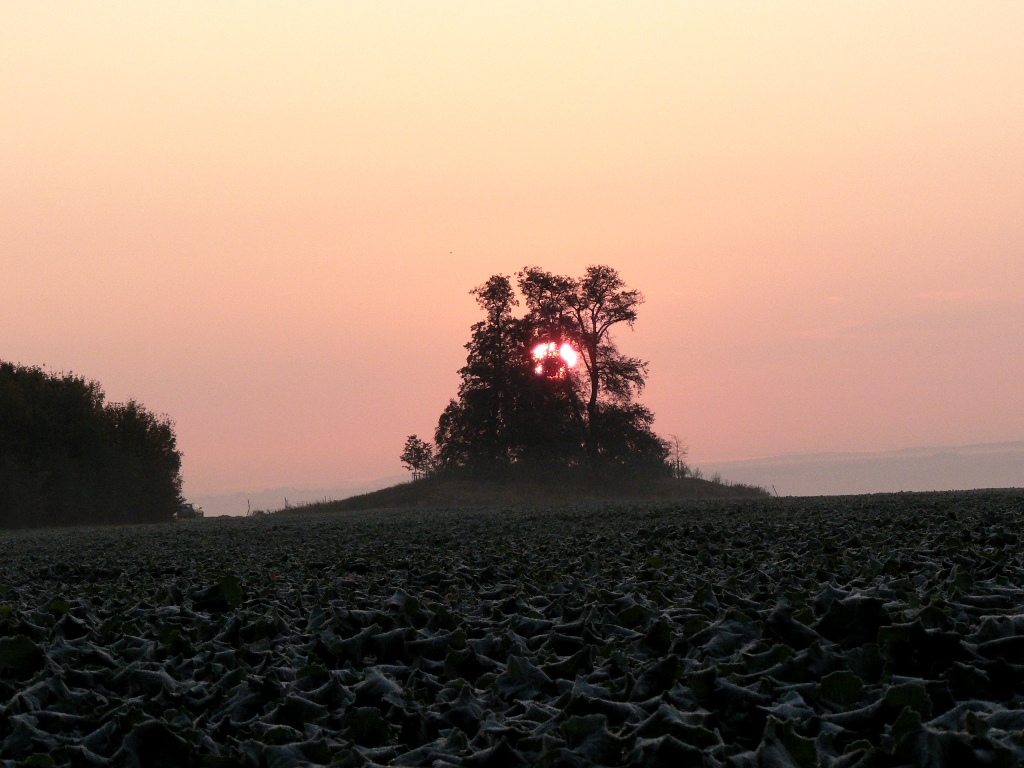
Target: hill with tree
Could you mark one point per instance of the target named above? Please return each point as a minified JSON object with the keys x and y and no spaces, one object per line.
{"x":547,"y":397}
{"x":69,"y":458}
{"x":546,"y":409}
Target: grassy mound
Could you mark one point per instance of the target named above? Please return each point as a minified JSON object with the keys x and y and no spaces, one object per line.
{"x":444,"y":492}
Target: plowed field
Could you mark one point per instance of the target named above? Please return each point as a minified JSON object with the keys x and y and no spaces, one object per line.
{"x":848,"y":631}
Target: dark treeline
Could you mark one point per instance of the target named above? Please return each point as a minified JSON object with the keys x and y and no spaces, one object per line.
{"x":68,"y":458}
{"x":551,"y":415}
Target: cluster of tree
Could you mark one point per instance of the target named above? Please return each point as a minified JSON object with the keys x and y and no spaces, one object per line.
{"x":66,"y":457}
{"x":518,"y":408}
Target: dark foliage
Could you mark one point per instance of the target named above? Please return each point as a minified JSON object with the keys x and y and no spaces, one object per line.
{"x":418,"y":457}
{"x":68,"y":458}
{"x":510,"y":418}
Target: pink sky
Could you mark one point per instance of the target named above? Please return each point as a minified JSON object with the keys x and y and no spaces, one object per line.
{"x":264,"y":218}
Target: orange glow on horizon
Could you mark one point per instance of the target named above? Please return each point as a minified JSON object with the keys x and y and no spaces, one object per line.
{"x":266,"y":223}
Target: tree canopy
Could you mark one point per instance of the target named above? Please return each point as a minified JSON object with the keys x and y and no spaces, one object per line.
{"x":67,"y":457}
{"x":547,"y":390}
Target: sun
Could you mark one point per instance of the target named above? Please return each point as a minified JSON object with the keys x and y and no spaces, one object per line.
{"x":553,"y":361}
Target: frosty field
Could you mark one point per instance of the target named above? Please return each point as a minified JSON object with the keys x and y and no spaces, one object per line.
{"x":865,"y":630}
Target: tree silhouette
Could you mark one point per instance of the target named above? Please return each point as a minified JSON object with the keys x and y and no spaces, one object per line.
{"x":586,"y":310}
{"x":503,"y":414}
{"x":66,"y":457}
{"x":418,"y":457}
{"x":513,"y":411}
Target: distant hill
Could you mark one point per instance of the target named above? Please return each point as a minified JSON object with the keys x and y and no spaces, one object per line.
{"x":443,"y":492}
{"x":939,"y":468}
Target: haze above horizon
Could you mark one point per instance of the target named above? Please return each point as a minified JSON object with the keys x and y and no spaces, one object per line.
{"x":264,"y":219}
